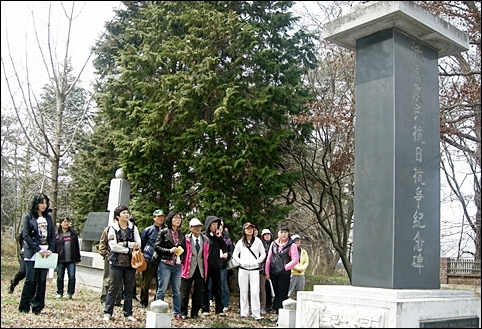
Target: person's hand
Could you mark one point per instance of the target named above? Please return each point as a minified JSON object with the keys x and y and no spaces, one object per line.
{"x":173,"y":250}
{"x":45,"y":253}
{"x":224,"y":256}
{"x":135,"y":246}
{"x":267,"y":276}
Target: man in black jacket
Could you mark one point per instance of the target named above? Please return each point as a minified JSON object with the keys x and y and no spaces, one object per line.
{"x":148,"y":239}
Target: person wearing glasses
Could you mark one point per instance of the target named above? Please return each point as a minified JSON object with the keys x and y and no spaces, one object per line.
{"x":171,"y":256}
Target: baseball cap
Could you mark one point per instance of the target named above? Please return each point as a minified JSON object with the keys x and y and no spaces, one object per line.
{"x":158,"y":212}
{"x":265,"y":231}
{"x":248,"y":224}
{"x":195,"y":222}
{"x":295,"y":236}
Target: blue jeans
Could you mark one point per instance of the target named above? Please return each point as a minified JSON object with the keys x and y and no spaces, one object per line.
{"x":224,"y":288}
{"x":35,"y":284}
{"x":70,"y":267}
{"x":169,"y":274}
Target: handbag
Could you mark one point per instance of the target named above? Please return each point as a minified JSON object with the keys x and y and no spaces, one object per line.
{"x":231,"y":264}
{"x":138,"y":261}
{"x":47,"y":262}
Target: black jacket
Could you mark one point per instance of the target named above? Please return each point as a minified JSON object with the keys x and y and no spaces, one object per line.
{"x":164,"y":243}
{"x":74,"y":246}
{"x":31,"y":235}
{"x":216,"y":244}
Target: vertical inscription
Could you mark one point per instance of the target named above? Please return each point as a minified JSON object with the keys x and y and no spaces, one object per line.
{"x":418,"y":223}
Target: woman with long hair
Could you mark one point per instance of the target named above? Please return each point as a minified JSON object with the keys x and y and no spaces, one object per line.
{"x":250,"y":254}
{"x":39,"y":235}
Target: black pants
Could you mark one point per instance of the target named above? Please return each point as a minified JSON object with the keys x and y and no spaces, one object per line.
{"x":215,"y":276}
{"x":281,"y":285}
{"x":22,"y":272}
{"x":197,"y":293}
{"x":35,"y":285}
{"x":147,"y":276}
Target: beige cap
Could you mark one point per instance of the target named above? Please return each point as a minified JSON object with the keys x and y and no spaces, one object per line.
{"x":195,"y":222}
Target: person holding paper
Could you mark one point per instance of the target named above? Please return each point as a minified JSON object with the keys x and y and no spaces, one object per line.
{"x":171,"y":255}
{"x":39,"y":235}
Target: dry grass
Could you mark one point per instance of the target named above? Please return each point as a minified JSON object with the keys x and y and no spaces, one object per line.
{"x":86,"y":310}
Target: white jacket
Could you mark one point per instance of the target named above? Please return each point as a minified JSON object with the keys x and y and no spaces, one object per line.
{"x":245,"y":258}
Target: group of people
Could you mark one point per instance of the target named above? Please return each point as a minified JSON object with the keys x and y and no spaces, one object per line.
{"x":192,"y":265}
{"x":280,"y":262}
{"x":39,"y":238}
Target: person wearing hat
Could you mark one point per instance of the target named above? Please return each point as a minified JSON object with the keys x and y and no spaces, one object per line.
{"x":282,"y":257}
{"x":265,"y":298}
{"x":67,"y":247}
{"x":148,"y":238}
{"x":297,"y":280}
{"x":250,"y":254}
{"x":194,"y":269}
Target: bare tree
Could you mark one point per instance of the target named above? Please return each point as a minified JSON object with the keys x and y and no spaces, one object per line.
{"x":323,"y":195}
{"x":460,"y":121}
{"x":52,"y":121}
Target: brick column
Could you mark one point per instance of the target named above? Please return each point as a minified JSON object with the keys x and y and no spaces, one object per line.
{"x":444,"y":263}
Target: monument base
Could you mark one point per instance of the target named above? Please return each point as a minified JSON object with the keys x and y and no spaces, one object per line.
{"x":90,"y":270}
{"x":329,"y":306}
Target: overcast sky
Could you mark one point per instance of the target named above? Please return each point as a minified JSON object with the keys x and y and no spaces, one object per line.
{"x":18,"y":34}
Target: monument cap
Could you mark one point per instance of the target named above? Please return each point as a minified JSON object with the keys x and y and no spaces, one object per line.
{"x":295,"y":236}
{"x":158,"y":212}
{"x":195,"y":222}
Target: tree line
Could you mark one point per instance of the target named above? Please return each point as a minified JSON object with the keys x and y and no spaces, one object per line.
{"x":233,"y":108}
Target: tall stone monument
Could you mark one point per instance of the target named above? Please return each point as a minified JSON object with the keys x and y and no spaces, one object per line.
{"x":119,"y":193}
{"x":90,"y":270}
{"x":396,"y":242}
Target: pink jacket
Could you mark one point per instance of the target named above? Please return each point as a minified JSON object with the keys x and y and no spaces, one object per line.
{"x":187,"y":258}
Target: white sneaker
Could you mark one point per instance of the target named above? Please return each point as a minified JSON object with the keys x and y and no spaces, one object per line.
{"x":262,"y":311}
{"x":58,"y":296}
{"x":225,"y":309}
{"x":107,"y":317}
{"x":130,"y":318}
{"x":205,"y":313}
